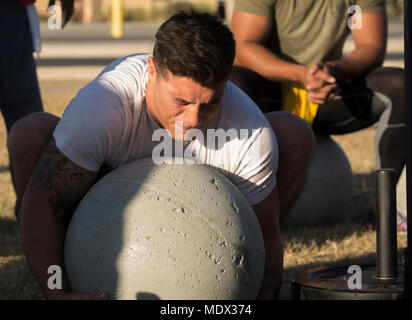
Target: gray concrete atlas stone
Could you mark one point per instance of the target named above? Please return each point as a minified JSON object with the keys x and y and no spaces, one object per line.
{"x":177,"y":231}
{"x":327,"y":192}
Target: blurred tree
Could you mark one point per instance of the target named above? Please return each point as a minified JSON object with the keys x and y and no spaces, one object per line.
{"x":395,"y":8}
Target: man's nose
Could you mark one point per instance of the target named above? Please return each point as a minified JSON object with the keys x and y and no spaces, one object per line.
{"x":193,"y":115}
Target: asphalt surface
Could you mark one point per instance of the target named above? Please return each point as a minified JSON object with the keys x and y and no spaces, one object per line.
{"x":80,"y":51}
{"x":136,"y":31}
{"x":78,"y":32}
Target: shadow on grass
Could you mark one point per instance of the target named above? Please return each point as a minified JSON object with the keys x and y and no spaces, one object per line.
{"x":17,"y":282}
{"x":10,"y":240}
{"x":4,"y":169}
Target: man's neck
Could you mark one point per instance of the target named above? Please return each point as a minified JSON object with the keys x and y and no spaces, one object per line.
{"x":149,"y":104}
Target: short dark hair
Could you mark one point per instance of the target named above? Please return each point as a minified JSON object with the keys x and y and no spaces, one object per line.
{"x":195,"y":45}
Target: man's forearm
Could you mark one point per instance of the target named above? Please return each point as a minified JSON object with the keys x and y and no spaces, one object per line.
{"x":359,"y":62}
{"x":256,"y":57}
{"x":268,"y":212}
{"x":272,"y":278}
{"x":43,"y":241}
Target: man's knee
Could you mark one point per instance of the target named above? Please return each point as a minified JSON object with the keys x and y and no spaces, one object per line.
{"x":295,"y":137}
{"x":398,"y":76}
{"x":388,"y":80}
{"x":296,"y":146}
{"x":31,"y":132}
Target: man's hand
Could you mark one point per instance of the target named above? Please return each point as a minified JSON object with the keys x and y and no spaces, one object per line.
{"x":321,"y":82}
{"x":271,"y":284}
{"x":67,"y":9}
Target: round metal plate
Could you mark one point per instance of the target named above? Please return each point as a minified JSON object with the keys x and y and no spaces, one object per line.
{"x":332,"y":283}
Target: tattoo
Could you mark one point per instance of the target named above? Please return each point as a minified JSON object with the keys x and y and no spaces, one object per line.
{"x":272,"y":280}
{"x":57,"y":173}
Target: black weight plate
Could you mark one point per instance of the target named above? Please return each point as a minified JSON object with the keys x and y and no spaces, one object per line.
{"x":332,"y":283}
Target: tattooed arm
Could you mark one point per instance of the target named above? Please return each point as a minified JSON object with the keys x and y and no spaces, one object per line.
{"x":53,"y":191}
{"x":267,"y":213}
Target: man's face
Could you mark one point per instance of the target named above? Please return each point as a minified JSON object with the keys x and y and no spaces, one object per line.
{"x":174,"y":100}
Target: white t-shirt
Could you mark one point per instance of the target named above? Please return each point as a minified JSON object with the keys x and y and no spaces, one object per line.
{"x":107,"y":122}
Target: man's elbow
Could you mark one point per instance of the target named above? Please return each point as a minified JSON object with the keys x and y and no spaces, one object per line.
{"x":237,"y":61}
{"x":36,"y":205}
{"x":242,"y":51}
{"x":381,"y":58}
{"x":238,"y":56}
{"x":377,"y":55}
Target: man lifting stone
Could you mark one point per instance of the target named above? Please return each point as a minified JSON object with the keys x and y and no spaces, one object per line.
{"x":111,"y":122}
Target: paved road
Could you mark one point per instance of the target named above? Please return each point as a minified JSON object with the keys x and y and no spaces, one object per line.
{"x":80,"y":51}
{"x":78,"y":32}
{"x":135,"y":31}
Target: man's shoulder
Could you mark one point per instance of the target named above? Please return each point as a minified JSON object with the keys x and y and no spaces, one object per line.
{"x":126,"y":76}
{"x":136,"y":60}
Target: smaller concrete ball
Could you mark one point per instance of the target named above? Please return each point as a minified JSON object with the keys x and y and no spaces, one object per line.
{"x":327,"y":193}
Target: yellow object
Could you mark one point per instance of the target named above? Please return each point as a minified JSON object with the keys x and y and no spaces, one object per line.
{"x":294,"y":100}
{"x":117,"y":19}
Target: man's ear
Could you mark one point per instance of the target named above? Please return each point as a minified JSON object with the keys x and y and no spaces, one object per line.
{"x":151,"y":69}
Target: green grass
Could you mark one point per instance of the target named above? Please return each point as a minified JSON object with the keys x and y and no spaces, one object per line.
{"x":351,"y":242}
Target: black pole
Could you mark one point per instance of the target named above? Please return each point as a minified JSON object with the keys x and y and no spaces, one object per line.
{"x":386,"y":240}
{"x":221,"y":12}
{"x":408,"y":88}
